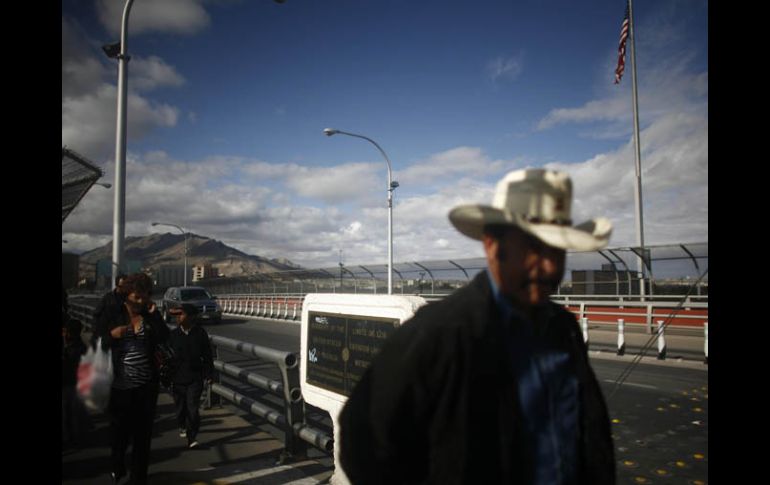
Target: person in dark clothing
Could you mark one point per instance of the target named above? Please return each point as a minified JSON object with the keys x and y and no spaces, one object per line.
{"x":74,"y":416}
{"x":492,"y":384}
{"x":109,"y":307}
{"x":195,"y":365}
{"x":133,"y":336}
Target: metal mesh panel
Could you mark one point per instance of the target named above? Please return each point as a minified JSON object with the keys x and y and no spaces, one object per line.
{"x":77,"y":176}
{"x":675,"y":265}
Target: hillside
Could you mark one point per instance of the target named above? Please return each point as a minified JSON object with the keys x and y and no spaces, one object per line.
{"x":168,"y":249}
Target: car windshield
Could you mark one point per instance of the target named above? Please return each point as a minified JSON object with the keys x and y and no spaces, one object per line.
{"x":196,"y":294}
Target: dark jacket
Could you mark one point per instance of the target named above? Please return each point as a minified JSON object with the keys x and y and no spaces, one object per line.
{"x":439,"y":403}
{"x":193,"y":354}
{"x":113,"y":316}
{"x":106,"y":313}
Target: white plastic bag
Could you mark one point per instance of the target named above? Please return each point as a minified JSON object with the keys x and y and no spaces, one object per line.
{"x":95,"y":378}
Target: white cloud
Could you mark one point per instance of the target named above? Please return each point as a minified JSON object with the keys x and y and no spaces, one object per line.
{"x":343,"y":183}
{"x":153,"y":72}
{"x":167,"y":16}
{"x":89,"y":102}
{"x":258,"y":207}
{"x":504,"y":68}
{"x":81,"y":74}
{"x":674,"y":183}
{"x":347,"y":183}
{"x":612,"y":109}
{"x":89,"y":123}
{"x":451,"y":165}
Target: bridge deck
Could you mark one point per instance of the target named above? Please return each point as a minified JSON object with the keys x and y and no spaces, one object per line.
{"x":231,"y":450}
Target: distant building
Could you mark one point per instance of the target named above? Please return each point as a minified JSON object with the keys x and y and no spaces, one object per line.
{"x":171,"y":275}
{"x":604,"y":282}
{"x":104,"y":271}
{"x":204,"y":271}
{"x":70,"y":270}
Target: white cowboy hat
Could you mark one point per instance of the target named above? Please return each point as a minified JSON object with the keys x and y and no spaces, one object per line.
{"x":538,"y":202}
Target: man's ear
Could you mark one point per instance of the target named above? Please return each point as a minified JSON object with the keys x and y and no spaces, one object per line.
{"x":494,"y":249}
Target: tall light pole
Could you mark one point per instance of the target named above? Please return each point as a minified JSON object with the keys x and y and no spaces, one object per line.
{"x":119,"y":215}
{"x":185,"y":244}
{"x":391,"y":187}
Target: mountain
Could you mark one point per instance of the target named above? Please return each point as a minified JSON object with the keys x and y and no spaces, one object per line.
{"x":157,"y":250}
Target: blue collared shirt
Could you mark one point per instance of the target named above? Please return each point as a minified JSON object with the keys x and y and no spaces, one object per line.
{"x":548,"y":396}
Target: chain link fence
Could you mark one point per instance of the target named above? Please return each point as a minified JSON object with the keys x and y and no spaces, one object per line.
{"x":666,"y":270}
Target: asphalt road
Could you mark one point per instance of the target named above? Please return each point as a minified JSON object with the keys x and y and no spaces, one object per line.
{"x":659,"y":413}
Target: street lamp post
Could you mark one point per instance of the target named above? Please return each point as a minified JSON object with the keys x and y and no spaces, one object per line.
{"x":185,"y":244}
{"x":391,"y":187}
{"x":119,"y":216}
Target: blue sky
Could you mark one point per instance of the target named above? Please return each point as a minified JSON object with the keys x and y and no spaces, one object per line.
{"x":228,"y":100}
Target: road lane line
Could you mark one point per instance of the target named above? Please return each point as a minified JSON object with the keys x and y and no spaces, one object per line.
{"x":643,"y":386}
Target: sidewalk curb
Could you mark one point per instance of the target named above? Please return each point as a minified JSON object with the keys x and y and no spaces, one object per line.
{"x":649,"y":360}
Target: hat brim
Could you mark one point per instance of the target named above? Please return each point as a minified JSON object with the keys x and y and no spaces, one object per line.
{"x":588,"y":236}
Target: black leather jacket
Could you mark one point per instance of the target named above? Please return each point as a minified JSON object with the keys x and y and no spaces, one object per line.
{"x":439,"y":405}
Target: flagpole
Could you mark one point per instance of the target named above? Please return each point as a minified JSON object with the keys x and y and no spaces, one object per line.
{"x":637,"y":153}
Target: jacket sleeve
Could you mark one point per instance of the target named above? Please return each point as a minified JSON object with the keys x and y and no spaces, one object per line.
{"x":162,"y":333}
{"x":383,"y":425}
{"x":107,"y":316}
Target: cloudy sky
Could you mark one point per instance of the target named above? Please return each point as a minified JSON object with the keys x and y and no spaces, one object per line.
{"x":228,"y":99}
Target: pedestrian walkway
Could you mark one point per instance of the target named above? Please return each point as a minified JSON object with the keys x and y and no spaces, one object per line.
{"x":231,"y":451}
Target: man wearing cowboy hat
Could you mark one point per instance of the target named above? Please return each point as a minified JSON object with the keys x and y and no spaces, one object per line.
{"x":491,"y":384}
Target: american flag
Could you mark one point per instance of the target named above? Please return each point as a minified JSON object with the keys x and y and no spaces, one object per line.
{"x":622,"y":47}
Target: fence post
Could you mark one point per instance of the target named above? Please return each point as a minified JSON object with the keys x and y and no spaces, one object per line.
{"x":296,"y":448}
{"x":213,"y":398}
{"x":661,"y":341}
{"x":706,"y":341}
{"x":648,"y":320}
{"x":585,"y":331}
{"x":621,"y":338}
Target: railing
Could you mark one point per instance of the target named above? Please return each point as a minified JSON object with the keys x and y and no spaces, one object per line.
{"x":692,"y":313}
{"x":280,"y":306}
{"x":293,"y":421}
{"x":83,"y":310}
{"x":599,"y":309}
{"x":621,"y":299}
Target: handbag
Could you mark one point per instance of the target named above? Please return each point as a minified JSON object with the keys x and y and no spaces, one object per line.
{"x":95,"y":377}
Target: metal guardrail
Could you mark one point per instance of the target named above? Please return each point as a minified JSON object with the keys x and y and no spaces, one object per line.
{"x":564,"y":298}
{"x":280,"y":306}
{"x":293,"y":421}
{"x":83,"y":311}
{"x":691,"y":315}
{"x":599,"y":309}
{"x":681,"y":313}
